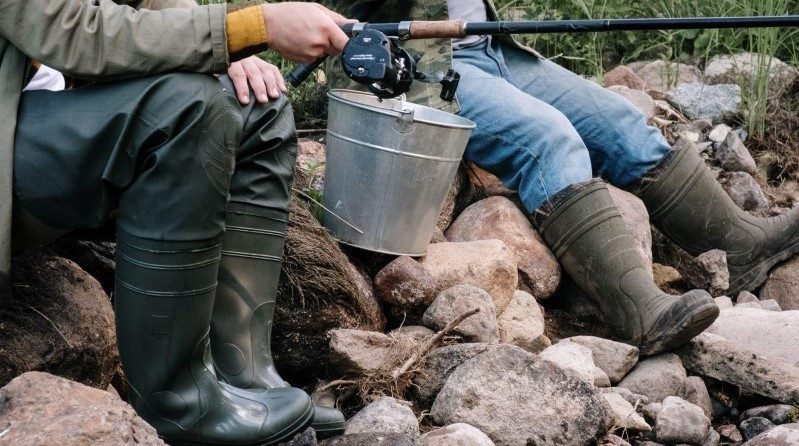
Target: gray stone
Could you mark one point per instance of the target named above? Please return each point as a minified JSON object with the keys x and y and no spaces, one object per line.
{"x":746,"y":192}
{"x":770,"y":334}
{"x":614,"y":358}
{"x":734,"y":156}
{"x":746,"y":296}
{"x":783,"y":285}
{"x":776,"y":413}
{"x":304,"y":438}
{"x":515,"y":398}
{"x":406,"y":284}
{"x":707,"y":271}
{"x":487,"y":264}
{"x":723,"y":302}
{"x":458,"y":434}
{"x":713,"y":356}
{"x":522,"y":323}
{"x":637,"y":400}
{"x":452,"y":302}
{"x":785,"y":435}
{"x":742,"y":68}
{"x":770,"y":305}
{"x":576,"y":359}
{"x":656,"y":377}
{"x":730,"y":433}
{"x":384,"y":415}
{"x":41,"y":409}
{"x":681,"y":422}
{"x":642,"y":101}
{"x":613,"y":440}
{"x":719,"y":103}
{"x":712,"y":438}
{"x":749,"y":305}
{"x":624,"y":414}
{"x":695,"y":392}
{"x":370,"y":439}
{"x":499,"y":218}
{"x":719,"y":133}
{"x":437,"y":367}
{"x":664,"y":75}
{"x":357,"y":352}
{"x":650,"y":411}
{"x":754,"y":426}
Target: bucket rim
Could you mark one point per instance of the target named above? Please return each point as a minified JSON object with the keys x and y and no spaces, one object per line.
{"x":333,"y":95}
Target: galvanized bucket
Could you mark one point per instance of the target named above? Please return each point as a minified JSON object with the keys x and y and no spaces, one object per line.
{"x":389,"y":167}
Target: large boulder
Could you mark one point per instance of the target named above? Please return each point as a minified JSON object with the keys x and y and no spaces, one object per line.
{"x":359,"y":353}
{"x":772,"y":334}
{"x":522,"y":323}
{"x":486,"y":264}
{"x":718,"y":103}
{"x":38,"y":408}
{"x":438,"y":365}
{"x":783,"y":285}
{"x":785,"y":435}
{"x":577,"y":360}
{"x":742,"y":68}
{"x":384,"y":415}
{"x":498,"y":218}
{"x":320,"y":290}
{"x":656,"y":377}
{"x":518,"y":399}
{"x":455,"y":301}
{"x":60,"y":321}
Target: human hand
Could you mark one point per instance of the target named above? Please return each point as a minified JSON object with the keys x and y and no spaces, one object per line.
{"x":303,"y":32}
{"x":264,"y":78}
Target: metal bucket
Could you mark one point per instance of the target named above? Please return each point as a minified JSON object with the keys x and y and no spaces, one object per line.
{"x":389,"y":167}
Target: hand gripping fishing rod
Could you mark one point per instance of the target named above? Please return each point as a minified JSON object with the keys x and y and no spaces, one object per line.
{"x":374,"y":57}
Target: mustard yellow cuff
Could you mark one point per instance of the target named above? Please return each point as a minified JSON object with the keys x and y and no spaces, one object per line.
{"x":246,"y":32}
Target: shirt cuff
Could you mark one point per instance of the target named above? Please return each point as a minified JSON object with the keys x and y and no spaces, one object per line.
{"x":219,"y":51}
{"x":246,"y":32}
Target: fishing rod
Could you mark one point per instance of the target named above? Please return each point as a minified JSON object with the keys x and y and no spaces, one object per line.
{"x":374,"y":57}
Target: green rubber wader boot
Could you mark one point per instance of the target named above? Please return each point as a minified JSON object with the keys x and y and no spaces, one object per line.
{"x":164,"y":298}
{"x":689,"y":206}
{"x":241,"y":331}
{"x":587,"y":234}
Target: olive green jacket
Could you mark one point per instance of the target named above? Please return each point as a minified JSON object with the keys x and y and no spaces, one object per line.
{"x":97,"y":40}
{"x":436,"y":53}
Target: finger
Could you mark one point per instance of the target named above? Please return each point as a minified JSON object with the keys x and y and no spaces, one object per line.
{"x":338,"y":40}
{"x":281,"y":83}
{"x":337,"y":18}
{"x":239,"y":78}
{"x":269,"y":80}
{"x":256,"y":80}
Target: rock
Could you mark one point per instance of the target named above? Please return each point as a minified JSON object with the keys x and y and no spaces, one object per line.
{"x":318,"y":284}
{"x":60,"y":322}
{"x":311,"y":157}
{"x":733,"y":156}
{"x":719,"y":133}
{"x":770,"y":334}
{"x":437,"y":367}
{"x":486,"y":183}
{"x":452,"y":302}
{"x":38,"y":408}
{"x":458,"y":434}
{"x":776,"y":413}
{"x":624,"y":414}
{"x":636,"y":217}
{"x":695,"y":392}
{"x":656,"y":377}
{"x":613,"y":440}
{"x":713,"y":356}
{"x":614,"y":358}
{"x":665,"y":276}
{"x":746,"y":192}
{"x":498,"y":218}
{"x":514,"y":397}
{"x":406,"y":284}
{"x":642,"y":101}
{"x":412,"y":333}
{"x":719,"y":103}
{"x":95,"y":257}
{"x":624,"y":76}
{"x":460,"y":195}
{"x":730,"y":433}
{"x":712,"y":438}
{"x":304,"y":438}
{"x":723,"y":302}
{"x":637,"y":400}
{"x":681,"y":422}
{"x":522,"y":323}
{"x":785,"y":435}
{"x":664,"y":75}
{"x":770,"y":305}
{"x":487,"y":264}
{"x":370,"y":439}
{"x":749,"y":305}
{"x":650,"y":411}
{"x":384,"y":415}
{"x":707,"y":271}
{"x":357,"y":352}
{"x":578,"y":360}
{"x":742,"y":68}
{"x":746,"y":296}
{"x":783,"y":285}
{"x":752,"y":427}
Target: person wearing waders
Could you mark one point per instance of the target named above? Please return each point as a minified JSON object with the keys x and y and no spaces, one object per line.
{"x":558,"y":139}
{"x":195,"y":182}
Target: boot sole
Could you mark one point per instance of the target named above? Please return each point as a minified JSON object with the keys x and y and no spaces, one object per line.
{"x":757,"y":275}
{"x":286,"y":434}
{"x":328,"y":430}
{"x":688,"y":329}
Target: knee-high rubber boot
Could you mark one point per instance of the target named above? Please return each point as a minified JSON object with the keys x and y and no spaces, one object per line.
{"x":241,"y":331}
{"x":587,"y":234}
{"x":164,"y":299}
{"x":689,"y":206}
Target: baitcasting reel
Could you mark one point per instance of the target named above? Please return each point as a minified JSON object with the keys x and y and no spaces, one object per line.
{"x":373,"y":59}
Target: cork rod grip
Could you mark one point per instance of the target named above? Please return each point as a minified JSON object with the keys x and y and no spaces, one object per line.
{"x":452,"y":29}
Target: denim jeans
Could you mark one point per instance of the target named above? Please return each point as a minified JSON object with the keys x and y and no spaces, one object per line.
{"x":541,"y":128}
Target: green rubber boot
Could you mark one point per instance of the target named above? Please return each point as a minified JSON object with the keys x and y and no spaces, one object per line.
{"x":689,"y":206}
{"x":241,"y":327}
{"x":586,"y":232}
{"x":164,"y":298}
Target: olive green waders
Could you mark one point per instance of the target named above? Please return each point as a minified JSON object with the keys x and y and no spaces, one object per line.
{"x":586,"y":232}
{"x":159,"y":152}
{"x":689,"y":206}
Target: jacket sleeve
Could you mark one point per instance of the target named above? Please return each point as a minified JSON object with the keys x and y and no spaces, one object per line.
{"x":99,"y":39}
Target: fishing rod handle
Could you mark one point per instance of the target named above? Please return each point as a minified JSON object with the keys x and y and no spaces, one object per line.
{"x":301,"y":72}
